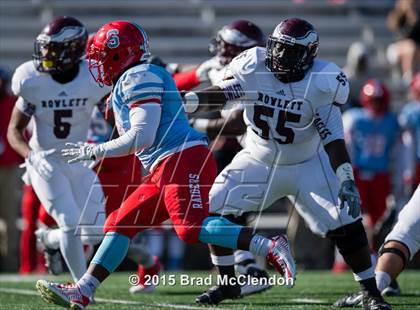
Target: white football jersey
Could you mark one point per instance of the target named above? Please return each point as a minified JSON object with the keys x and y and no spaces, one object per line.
{"x":218,"y":73}
{"x":61,"y":112}
{"x":283,"y":127}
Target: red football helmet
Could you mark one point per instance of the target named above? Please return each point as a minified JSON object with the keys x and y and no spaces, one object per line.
{"x":116,"y":46}
{"x":90,"y":41}
{"x":415,"y":86}
{"x":60,"y":45}
{"x":291,"y":49}
{"x":375,"y":97}
{"x":234,"y":38}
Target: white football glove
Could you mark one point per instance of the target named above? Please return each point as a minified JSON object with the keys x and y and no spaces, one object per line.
{"x":349,"y":195}
{"x":40,"y":164}
{"x":79,"y":151}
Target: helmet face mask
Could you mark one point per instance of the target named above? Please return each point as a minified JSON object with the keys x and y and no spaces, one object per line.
{"x":60,"y":46}
{"x":116,"y":47}
{"x":291,"y":49}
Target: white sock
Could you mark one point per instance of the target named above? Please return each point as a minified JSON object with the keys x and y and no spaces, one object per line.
{"x":88,"y":284}
{"x":260,"y":245}
{"x":382,"y":280}
{"x":365,"y":274}
{"x":52,"y":238}
{"x":227,"y":260}
{"x":72,"y":250}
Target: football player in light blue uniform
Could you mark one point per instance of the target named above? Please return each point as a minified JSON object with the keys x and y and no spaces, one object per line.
{"x":151,"y":120}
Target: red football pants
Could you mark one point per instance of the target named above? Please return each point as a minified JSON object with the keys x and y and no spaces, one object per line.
{"x":178,"y":188}
{"x":373,"y":193}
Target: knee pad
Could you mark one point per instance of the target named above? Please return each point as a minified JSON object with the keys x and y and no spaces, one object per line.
{"x":395,"y":251}
{"x":219,"y":231}
{"x":349,"y":238}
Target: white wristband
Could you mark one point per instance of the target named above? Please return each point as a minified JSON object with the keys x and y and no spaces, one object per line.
{"x":191,"y":102}
{"x":201,"y":124}
{"x":345,"y":172}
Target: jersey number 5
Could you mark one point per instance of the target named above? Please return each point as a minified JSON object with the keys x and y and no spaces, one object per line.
{"x":281,"y":129}
{"x":61,"y":128}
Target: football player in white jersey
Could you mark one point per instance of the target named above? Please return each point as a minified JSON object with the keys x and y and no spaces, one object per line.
{"x":294,"y":146}
{"x":400,"y":246}
{"x":230,"y":41}
{"x":57,"y":91}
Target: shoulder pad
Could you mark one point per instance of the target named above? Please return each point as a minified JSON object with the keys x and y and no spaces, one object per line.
{"x":141,"y":75}
{"x":246,"y":62}
{"x":22,"y":75}
{"x":330,"y":79}
{"x":141,"y":81}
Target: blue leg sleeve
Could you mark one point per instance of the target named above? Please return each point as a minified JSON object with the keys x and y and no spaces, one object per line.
{"x":112,"y":251}
{"x":219,"y":231}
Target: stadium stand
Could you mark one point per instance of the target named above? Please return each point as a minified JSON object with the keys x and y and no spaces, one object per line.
{"x":181,"y":29}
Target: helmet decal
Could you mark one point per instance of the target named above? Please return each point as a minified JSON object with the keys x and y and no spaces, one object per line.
{"x":113,"y":39}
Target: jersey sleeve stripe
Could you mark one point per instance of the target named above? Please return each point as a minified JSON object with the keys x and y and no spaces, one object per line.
{"x":140,"y":102}
{"x":144,"y":95}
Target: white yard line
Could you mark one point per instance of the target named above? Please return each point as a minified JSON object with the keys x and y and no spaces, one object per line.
{"x":308,"y":300}
{"x":111,"y":301}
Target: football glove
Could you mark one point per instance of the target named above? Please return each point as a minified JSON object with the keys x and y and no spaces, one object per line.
{"x":79,"y":152}
{"x":40,"y":164}
{"x":349,"y":195}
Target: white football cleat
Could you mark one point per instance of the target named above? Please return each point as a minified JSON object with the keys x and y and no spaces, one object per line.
{"x":65,"y":295}
{"x":142,"y":289}
{"x":281,"y":258}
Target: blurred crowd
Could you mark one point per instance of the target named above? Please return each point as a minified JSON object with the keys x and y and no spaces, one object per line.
{"x":382,"y":130}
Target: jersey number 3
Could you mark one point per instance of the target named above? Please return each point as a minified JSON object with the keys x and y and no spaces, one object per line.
{"x":62,"y":128}
{"x":281,"y":129}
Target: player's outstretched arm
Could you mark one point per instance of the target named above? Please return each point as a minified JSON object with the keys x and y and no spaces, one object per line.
{"x":214,"y":97}
{"x":144,"y":121}
{"x":210,"y":98}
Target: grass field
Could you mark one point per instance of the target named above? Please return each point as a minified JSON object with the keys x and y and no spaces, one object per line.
{"x":313,"y":290}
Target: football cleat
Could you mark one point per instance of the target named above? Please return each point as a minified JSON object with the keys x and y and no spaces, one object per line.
{"x":64,"y":295}
{"x":281,"y":258}
{"x":254,"y":271}
{"x":218,"y":293}
{"x":142,"y":272}
{"x":392,"y":290}
{"x":351,"y":300}
{"x":374,"y":302}
{"x":53,"y":258}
